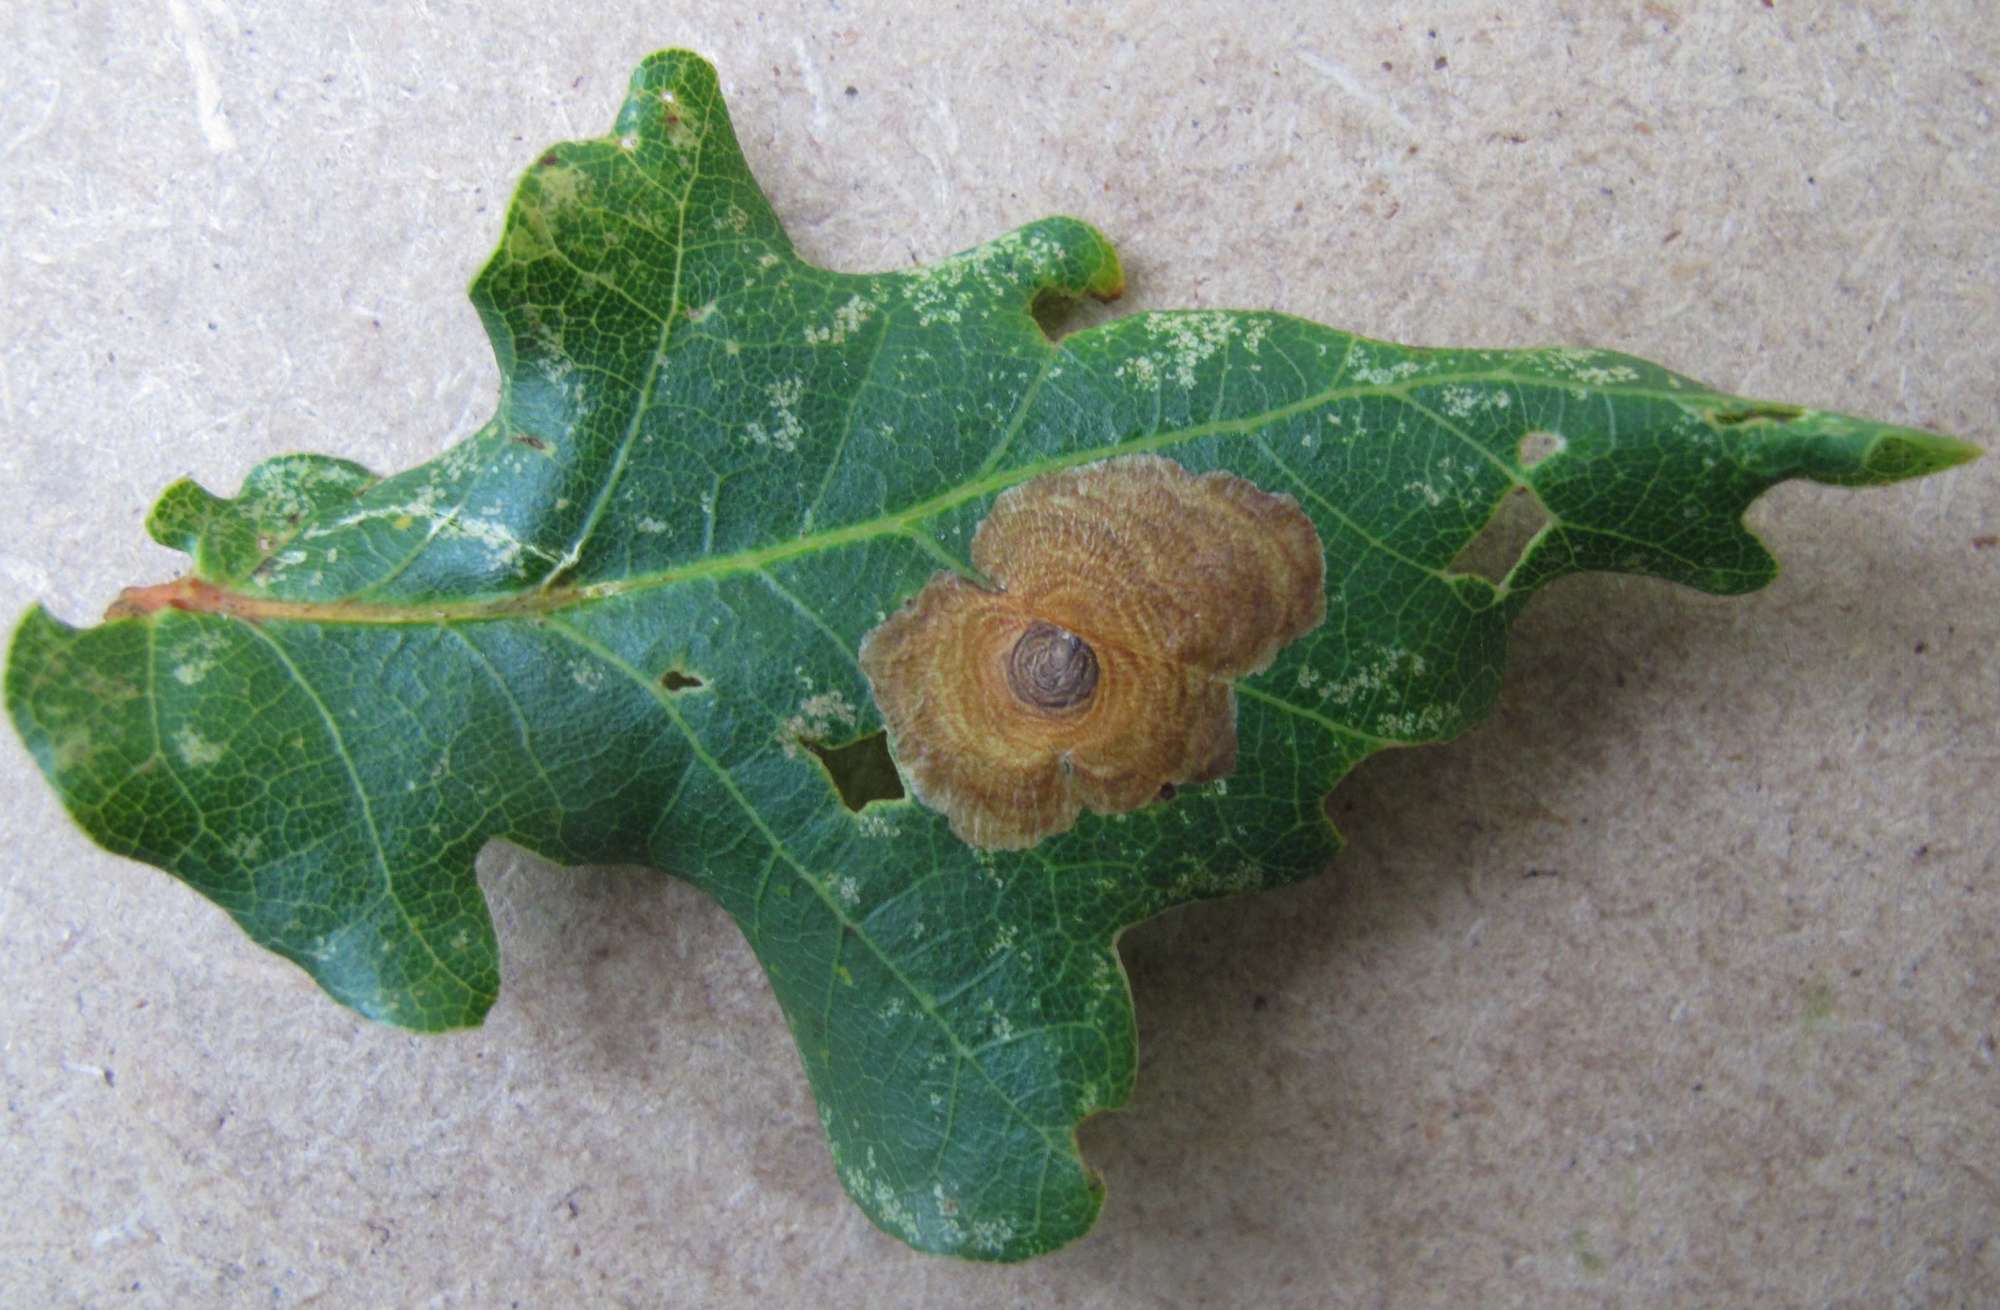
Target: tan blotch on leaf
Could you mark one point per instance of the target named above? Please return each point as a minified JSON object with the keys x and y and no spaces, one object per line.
{"x":1130,"y":593}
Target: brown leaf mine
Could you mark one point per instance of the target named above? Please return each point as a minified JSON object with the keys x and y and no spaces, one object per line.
{"x":1130,"y":593}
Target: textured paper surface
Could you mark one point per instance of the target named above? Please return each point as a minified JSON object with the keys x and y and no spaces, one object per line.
{"x":1684,"y":989}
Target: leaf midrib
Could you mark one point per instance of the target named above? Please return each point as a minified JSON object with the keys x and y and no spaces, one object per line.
{"x":904,"y":522}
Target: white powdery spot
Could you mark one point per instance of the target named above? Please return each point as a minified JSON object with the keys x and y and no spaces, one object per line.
{"x":1450,"y":479}
{"x":847,"y":321}
{"x":1426,"y":722}
{"x":497,"y":537}
{"x":1106,"y":987}
{"x":992,"y":1234}
{"x":1376,"y":375}
{"x":892,"y":1210}
{"x":818,"y":718}
{"x":650,"y":526}
{"x":1589,"y":368}
{"x":784,"y":429}
{"x":199,"y":657}
{"x":872,"y":824}
{"x":944,"y":291}
{"x":937,"y":300}
{"x":195,"y":750}
{"x":1232,"y":881}
{"x":1390,"y":663}
{"x":866,"y":1184}
{"x":1464,"y":402}
{"x":1185,"y":342}
{"x":848,"y":888}
{"x":285,"y":499}
{"x":1140,"y":369}
{"x":423,"y":508}
{"x":588,"y":676}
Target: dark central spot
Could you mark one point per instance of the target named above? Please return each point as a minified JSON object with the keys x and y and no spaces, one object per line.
{"x":1052,"y":669}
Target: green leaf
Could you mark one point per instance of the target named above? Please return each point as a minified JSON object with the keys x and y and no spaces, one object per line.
{"x":620,"y":623}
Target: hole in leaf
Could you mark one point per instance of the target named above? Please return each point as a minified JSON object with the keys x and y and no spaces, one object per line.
{"x":1730,"y":418}
{"x":1538,"y":446}
{"x":675,"y":680}
{"x":1494,"y":552}
{"x":1058,"y":314}
{"x":861,"y":770}
{"x":1050,"y":312}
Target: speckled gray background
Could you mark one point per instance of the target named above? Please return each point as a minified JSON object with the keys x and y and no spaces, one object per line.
{"x":1676,"y":981}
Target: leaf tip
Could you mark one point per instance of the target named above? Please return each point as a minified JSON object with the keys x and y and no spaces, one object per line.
{"x":1907,"y":453}
{"x":180,"y":515}
{"x":27,"y":650}
{"x":1846,"y":451}
{"x":674,"y":69}
{"x":1107,"y":279}
{"x":1886,"y":454}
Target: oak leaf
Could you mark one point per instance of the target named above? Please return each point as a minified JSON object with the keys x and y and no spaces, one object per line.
{"x":623,"y":622}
